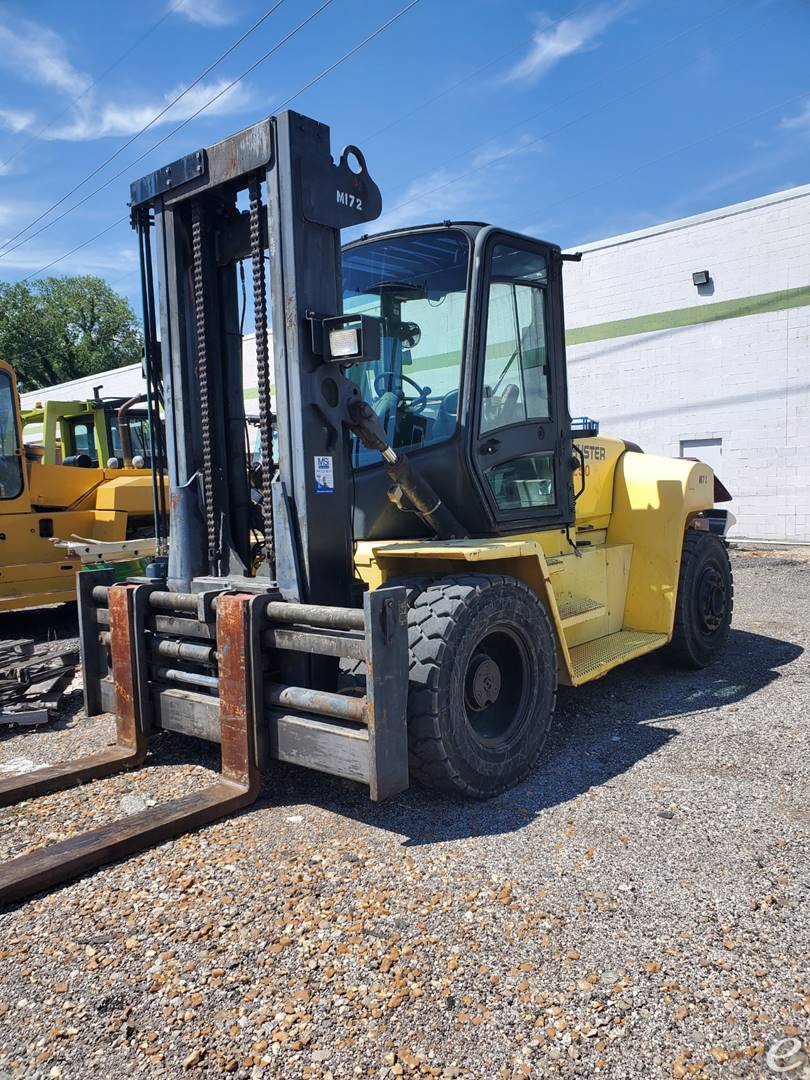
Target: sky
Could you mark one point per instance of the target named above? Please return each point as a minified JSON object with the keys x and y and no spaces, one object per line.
{"x":568,"y":121}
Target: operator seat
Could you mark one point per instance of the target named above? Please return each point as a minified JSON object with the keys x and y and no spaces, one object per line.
{"x":511,"y":410}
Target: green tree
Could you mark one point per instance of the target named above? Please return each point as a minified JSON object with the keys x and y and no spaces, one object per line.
{"x":61,"y":328}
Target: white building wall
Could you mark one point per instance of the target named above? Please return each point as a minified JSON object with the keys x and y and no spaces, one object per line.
{"x":119,"y":382}
{"x":743,"y":380}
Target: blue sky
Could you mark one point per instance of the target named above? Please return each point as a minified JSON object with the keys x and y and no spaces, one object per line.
{"x":572,"y":121}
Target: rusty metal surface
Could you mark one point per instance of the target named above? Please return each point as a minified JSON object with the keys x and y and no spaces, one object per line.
{"x":321,"y":643}
{"x":45,"y":867}
{"x":320,"y":702}
{"x":237,"y":787}
{"x":320,"y":615}
{"x":235,"y":692}
{"x":122,"y":662}
{"x":130,"y":748}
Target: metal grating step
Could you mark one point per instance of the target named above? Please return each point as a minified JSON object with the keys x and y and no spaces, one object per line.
{"x":579,"y":605}
{"x":597,"y":657}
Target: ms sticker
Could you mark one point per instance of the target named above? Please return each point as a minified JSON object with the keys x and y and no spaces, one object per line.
{"x":324,"y":476}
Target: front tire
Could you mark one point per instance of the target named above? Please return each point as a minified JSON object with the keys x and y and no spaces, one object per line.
{"x":705,"y":601}
{"x":483,"y":683}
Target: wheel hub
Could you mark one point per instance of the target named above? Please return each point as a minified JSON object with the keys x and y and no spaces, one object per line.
{"x":483,"y":683}
{"x":712,"y":599}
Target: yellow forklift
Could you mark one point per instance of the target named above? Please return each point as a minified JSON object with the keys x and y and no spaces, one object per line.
{"x":438,"y":544}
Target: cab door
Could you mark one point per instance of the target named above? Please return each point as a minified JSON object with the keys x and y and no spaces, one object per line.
{"x":13,"y":492}
{"x":521,"y":449}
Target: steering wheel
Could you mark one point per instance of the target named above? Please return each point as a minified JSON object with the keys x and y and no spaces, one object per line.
{"x":417,"y":403}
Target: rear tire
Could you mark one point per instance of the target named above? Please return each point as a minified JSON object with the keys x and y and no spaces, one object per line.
{"x":483,"y":683}
{"x":705,"y":601}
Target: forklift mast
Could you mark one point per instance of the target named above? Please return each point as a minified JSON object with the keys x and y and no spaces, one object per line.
{"x":298,"y":200}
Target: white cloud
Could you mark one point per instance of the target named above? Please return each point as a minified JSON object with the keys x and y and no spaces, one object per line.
{"x":496,"y":152}
{"x":90,"y":260}
{"x":37,"y":55}
{"x":15,"y":119}
{"x":125,"y":119}
{"x":205,"y":12}
{"x":799,"y":122}
{"x":435,"y":197}
{"x":553,"y":41}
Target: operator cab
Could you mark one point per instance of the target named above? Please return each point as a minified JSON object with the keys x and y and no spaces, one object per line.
{"x":470,"y":382}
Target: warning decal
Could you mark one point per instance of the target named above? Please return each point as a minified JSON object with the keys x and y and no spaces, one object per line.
{"x":324,"y":475}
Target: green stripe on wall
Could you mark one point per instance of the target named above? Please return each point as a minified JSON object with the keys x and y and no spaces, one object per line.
{"x":691,"y":316}
{"x":762,"y":304}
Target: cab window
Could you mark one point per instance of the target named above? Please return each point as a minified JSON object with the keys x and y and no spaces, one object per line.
{"x":416,"y":285}
{"x":11,"y":476}
{"x":138,"y":433}
{"x":82,"y":436}
{"x":516,"y":378}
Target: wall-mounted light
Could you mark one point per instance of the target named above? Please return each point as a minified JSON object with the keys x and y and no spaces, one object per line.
{"x":701,"y":277}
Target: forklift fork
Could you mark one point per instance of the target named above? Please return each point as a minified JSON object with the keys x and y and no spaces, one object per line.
{"x":239,"y":782}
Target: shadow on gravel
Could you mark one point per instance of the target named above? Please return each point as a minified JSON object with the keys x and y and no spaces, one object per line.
{"x":600,"y":730}
{"x":59,"y":622}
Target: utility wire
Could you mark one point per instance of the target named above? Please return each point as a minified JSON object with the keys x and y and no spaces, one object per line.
{"x":154,"y":120}
{"x":316,"y":79}
{"x":570,"y":123}
{"x":78,"y":247}
{"x":347,"y":55}
{"x":93,"y":83}
{"x":206,"y":105}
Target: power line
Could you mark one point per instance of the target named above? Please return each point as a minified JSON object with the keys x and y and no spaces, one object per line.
{"x":78,"y":247}
{"x":111,"y":179}
{"x":93,"y":83}
{"x":317,"y":78}
{"x":570,"y":123}
{"x":347,"y":55}
{"x":146,"y":127}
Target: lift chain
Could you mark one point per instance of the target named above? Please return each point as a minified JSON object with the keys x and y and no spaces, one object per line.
{"x":262,"y":364}
{"x":204,"y":376}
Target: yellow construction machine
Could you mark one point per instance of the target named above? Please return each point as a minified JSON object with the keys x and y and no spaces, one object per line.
{"x":42,"y":502}
{"x":439,"y":544}
{"x":93,"y":432}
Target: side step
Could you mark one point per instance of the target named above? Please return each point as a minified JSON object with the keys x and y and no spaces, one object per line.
{"x":240,"y":779}
{"x":595,"y":658}
{"x":580,"y":609}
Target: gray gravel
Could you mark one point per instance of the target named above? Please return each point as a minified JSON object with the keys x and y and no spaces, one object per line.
{"x":638,"y":908}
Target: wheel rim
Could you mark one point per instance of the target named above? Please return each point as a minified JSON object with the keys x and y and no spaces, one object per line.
{"x":712,"y":599}
{"x":496,"y":685}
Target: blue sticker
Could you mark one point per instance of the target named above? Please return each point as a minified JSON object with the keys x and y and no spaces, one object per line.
{"x":324,"y":476}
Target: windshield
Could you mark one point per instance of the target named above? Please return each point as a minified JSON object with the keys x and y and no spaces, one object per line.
{"x":416,"y":285}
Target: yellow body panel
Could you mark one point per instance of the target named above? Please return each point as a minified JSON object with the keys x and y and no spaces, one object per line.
{"x":61,"y":501}
{"x":613,"y":598}
{"x":653,"y":499}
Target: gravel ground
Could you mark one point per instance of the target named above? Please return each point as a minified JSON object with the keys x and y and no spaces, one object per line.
{"x":638,"y":908}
